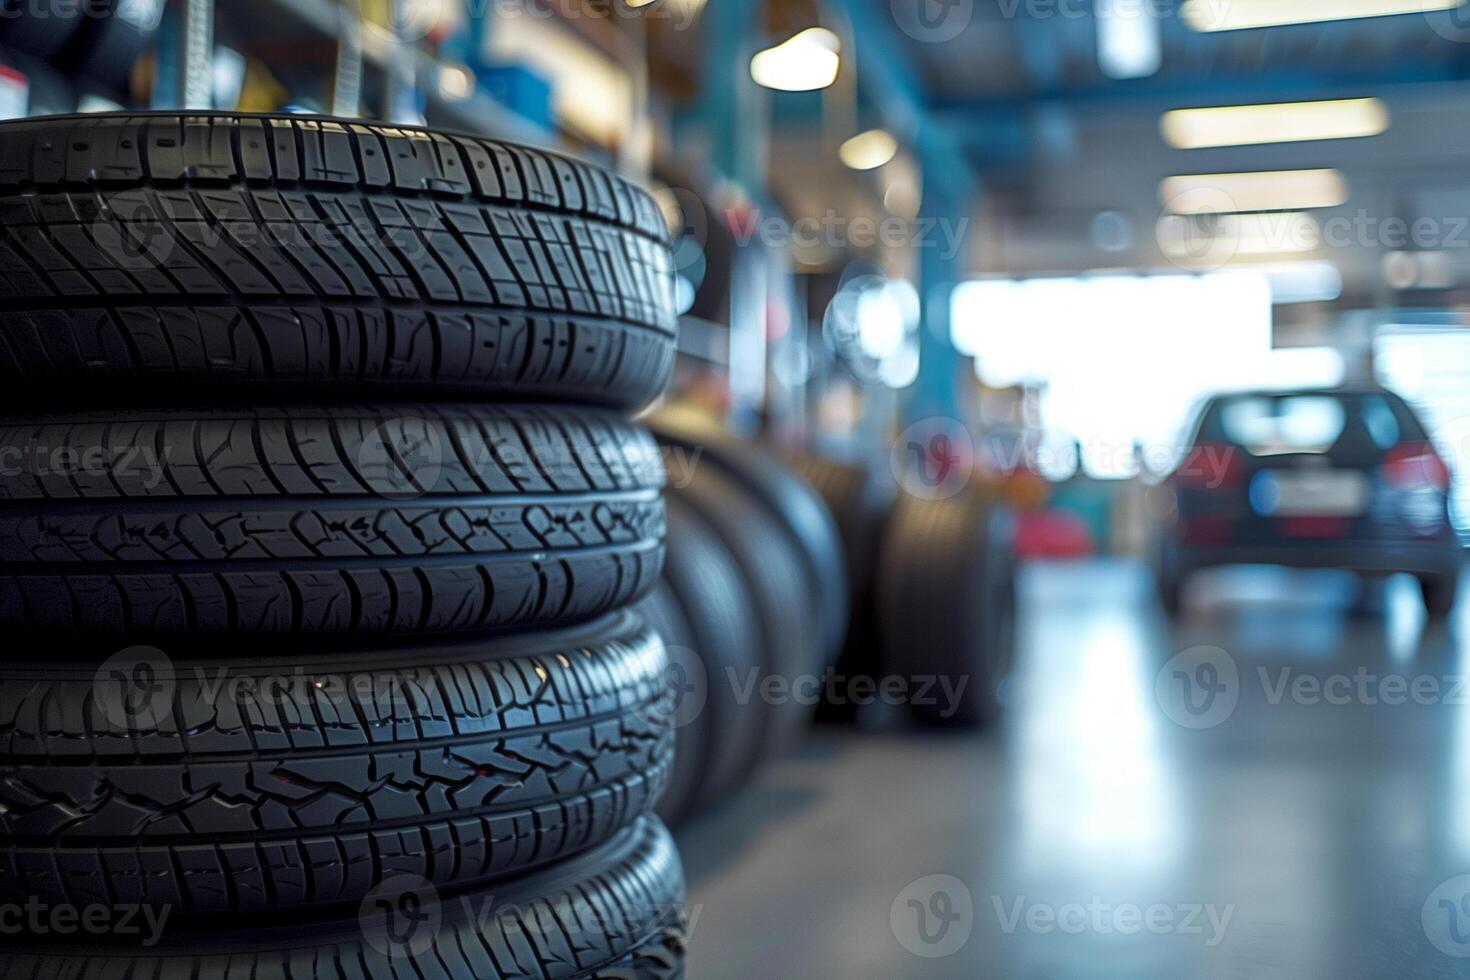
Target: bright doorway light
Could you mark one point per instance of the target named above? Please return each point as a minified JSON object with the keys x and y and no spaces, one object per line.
{"x":1281,"y":190}
{"x":803,"y":63}
{"x":1287,"y":122}
{"x":868,"y":151}
{"x":1236,"y":15}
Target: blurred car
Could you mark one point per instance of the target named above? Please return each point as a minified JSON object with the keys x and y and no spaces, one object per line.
{"x":1310,"y":479}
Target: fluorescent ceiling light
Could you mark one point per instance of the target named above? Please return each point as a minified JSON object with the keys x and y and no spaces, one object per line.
{"x":1279,"y":190}
{"x":1228,"y":235}
{"x":1235,"y":15}
{"x":803,"y":63}
{"x":869,"y":150}
{"x":1287,"y":122}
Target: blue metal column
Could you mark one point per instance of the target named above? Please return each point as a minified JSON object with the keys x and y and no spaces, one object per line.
{"x":734,"y":110}
{"x":941,"y":265}
{"x":891,"y":84}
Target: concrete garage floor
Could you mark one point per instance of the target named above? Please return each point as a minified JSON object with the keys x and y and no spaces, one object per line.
{"x":1309,"y":821}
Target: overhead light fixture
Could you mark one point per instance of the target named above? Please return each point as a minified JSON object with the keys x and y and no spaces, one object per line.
{"x":1224,"y":236}
{"x":1236,"y":15}
{"x":1278,"y":190}
{"x":456,"y":83}
{"x":803,"y":63}
{"x":868,"y":151}
{"x":1128,"y":41}
{"x":1285,"y":122}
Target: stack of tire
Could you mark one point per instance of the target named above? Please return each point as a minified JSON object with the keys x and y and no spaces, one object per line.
{"x":321,"y":528}
{"x":63,"y":46}
{"x":752,"y":603}
{"x":933,"y":591}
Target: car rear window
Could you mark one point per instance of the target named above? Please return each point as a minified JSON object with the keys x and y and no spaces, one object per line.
{"x":1294,"y":424}
{"x":1356,"y":423}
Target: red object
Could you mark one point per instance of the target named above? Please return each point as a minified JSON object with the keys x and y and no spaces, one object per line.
{"x":1053,"y":534}
{"x":1314,"y":527}
{"x":1412,"y":465}
{"x":1206,"y":530}
{"x":1210,"y":466}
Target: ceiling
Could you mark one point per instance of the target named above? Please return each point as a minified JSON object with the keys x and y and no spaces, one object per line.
{"x":1052,"y":141}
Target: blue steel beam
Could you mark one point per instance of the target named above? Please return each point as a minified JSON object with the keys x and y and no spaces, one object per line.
{"x":1164,"y":91}
{"x":889,"y":82}
{"x":733,"y":108}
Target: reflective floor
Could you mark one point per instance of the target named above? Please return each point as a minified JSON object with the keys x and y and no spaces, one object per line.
{"x":1276,"y":786}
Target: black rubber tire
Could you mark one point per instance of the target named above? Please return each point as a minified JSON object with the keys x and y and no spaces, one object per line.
{"x":416,"y":519}
{"x":946,"y":600}
{"x":714,"y":634}
{"x":1440,"y":592}
{"x":39,"y":28}
{"x":789,"y":639}
{"x":861,"y":502}
{"x":613,"y":913}
{"x":795,"y":505}
{"x":111,"y":39}
{"x":212,"y":786}
{"x":229,"y":254}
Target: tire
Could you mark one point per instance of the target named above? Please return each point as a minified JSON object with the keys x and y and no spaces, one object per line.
{"x":946,"y":603}
{"x":40,"y":28}
{"x":110,"y":41}
{"x":419,"y":519}
{"x":719,"y":739}
{"x":259,"y":258}
{"x":1440,"y":592}
{"x":1169,"y":581}
{"x":612,"y":913}
{"x":264,"y":784}
{"x":770,"y":564}
{"x":860,"y":502}
{"x":795,"y":505}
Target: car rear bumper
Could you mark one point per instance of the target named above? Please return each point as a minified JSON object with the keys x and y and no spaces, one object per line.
{"x":1373,"y":557}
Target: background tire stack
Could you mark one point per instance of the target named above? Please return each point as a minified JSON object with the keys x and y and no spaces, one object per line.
{"x":319,"y":640}
{"x":754,"y":589}
{"x":933,"y":586}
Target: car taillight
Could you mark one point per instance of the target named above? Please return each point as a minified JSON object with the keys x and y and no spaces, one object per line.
{"x":1413,"y":466}
{"x":1210,"y":466}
